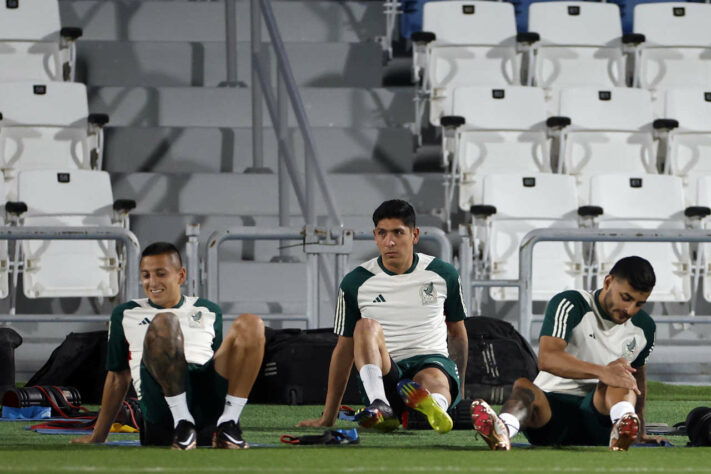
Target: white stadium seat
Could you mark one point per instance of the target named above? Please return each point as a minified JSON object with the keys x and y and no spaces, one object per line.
{"x":580,"y":45}
{"x":33,"y":45}
{"x":611,"y":131}
{"x":703,"y":198}
{"x":644,"y":202}
{"x":47,"y":125}
{"x":677,"y":47}
{"x":523,"y":203}
{"x":689,"y":146}
{"x":63,"y":268}
{"x":504,"y":131}
{"x":470,"y":43}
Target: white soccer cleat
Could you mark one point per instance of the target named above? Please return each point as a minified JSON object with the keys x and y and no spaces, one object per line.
{"x":488,"y":424}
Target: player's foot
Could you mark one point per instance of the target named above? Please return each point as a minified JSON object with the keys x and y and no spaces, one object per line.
{"x":488,"y":424}
{"x":378,"y":415}
{"x":184,"y":436}
{"x":228,"y":436}
{"x":624,"y":432}
{"x":418,"y":398}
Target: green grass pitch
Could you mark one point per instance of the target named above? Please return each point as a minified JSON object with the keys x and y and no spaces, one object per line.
{"x":402,"y":451}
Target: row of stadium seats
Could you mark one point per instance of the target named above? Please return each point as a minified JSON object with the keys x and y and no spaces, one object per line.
{"x":515,"y":204}
{"x":33,"y":44}
{"x":570,"y":44}
{"x":496,"y":130}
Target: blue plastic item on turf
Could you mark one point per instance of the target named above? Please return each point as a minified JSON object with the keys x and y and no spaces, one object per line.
{"x":26,"y":413}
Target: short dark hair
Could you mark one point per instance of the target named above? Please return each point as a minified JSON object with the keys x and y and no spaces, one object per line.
{"x":161,"y":248}
{"x":637,"y":271}
{"x":395,"y":209}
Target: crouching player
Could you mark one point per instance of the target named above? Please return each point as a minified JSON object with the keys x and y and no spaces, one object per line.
{"x":592,"y":353}
{"x":192,"y":384}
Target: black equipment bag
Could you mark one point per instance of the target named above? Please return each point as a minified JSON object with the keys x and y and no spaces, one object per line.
{"x":9,"y":341}
{"x":295,"y":368}
{"x":80,"y":362}
{"x":498,"y":355}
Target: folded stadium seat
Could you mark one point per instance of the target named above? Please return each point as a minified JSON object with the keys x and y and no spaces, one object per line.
{"x":64,"y":268}
{"x":703,"y":199}
{"x":462,"y":43}
{"x":494,"y":130}
{"x":611,"y":131}
{"x":47,"y":125}
{"x":513,"y":206}
{"x":33,"y":45}
{"x":644,"y":202}
{"x":580,"y":45}
{"x":675,"y":46}
{"x":688,"y":115}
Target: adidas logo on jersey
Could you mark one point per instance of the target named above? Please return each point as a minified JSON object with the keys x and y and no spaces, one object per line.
{"x":379,"y":299}
{"x":144,"y":322}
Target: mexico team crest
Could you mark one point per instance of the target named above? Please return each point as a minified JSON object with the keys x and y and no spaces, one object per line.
{"x":629,"y":347}
{"x":195,"y":320}
{"x":428,"y":293}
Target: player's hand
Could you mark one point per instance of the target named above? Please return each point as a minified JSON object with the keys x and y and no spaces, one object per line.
{"x":316,"y":422}
{"x":656,"y":440}
{"x":86,"y":439}
{"x":618,"y":373}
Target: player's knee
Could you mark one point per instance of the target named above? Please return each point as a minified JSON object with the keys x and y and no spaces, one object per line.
{"x":367,"y":326}
{"x":522,"y":382}
{"x":165,"y":326}
{"x":249,"y":329}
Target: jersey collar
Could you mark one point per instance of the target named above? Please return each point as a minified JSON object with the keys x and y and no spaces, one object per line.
{"x":599,"y":309}
{"x":180,"y":303}
{"x":415,"y":260}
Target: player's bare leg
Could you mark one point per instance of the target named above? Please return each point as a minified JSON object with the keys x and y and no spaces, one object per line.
{"x":619,"y":404}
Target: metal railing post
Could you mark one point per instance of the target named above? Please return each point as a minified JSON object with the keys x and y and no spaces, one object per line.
{"x":282,"y":128}
{"x":192,"y":257}
{"x":257,"y":104}
{"x":466,"y":257}
{"x":231,"y":42}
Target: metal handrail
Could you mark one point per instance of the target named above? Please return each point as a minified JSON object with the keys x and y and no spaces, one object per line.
{"x":524,"y":283}
{"x":127,"y":237}
{"x":286,"y":85}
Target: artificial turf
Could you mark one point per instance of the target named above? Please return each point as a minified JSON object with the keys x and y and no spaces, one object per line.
{"x":402,"y":451}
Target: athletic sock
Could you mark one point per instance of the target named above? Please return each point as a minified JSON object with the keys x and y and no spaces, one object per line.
{"x":440,"y":400}
{"x":233,"y":409}
{"x":511,"y":422}
{"x":619,"y":409}
{"x":372,"y":378}
{"x":178,"y":405}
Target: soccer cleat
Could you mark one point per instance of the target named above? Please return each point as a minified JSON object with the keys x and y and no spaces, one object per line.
{"x":229,"y":436}
{"x":624,"y":432}
{"x":378,"y":415}
{"x":488,"y":424}
{"x":184,"y":436}
{"x":418,"y":398}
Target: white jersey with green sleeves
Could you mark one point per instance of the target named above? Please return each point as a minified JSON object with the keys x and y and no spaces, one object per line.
{"x":592,"y":336}
{"x":412,"y":307}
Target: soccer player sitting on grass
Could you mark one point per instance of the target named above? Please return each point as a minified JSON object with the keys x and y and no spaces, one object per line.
{"x":592,"y":353}
{"x":184,"y":372}
{"x":393,"y":317}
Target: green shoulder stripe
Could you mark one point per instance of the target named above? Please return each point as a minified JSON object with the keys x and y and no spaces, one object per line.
{"x":117,"y":347}
{"x":213,"y":308}
{"x":645,"y":322}
{"x":563,"y":312}
{"x":454,"y":307}
{"x":347,"y":310}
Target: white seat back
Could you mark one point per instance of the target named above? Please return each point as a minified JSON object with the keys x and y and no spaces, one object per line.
{"x":677,"y":51}
{"x":689,"y":154}
{"x":527,"y":202}
{"x":644,"y":202}
{"x":505,"y":132}
{"x":61,"y":268}
{"x":611,"y":132}
{"x":29,"y":41}
{"x":580,"y":44}
{"x":44,"y":125}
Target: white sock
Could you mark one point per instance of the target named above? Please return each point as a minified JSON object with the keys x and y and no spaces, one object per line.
{"x":619,"y":409}
{"x":372,"y":378}
{"x":511,"y":422}
{"x":233,"y":409}
{"x":178,"y":405}
{"x":440,"y":400}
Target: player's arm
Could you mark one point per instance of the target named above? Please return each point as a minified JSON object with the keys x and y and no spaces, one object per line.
{"x":553,"y":358}
{"x":458,"y":345}
{"x":115,"y":389}
{"x":338,"y":373}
